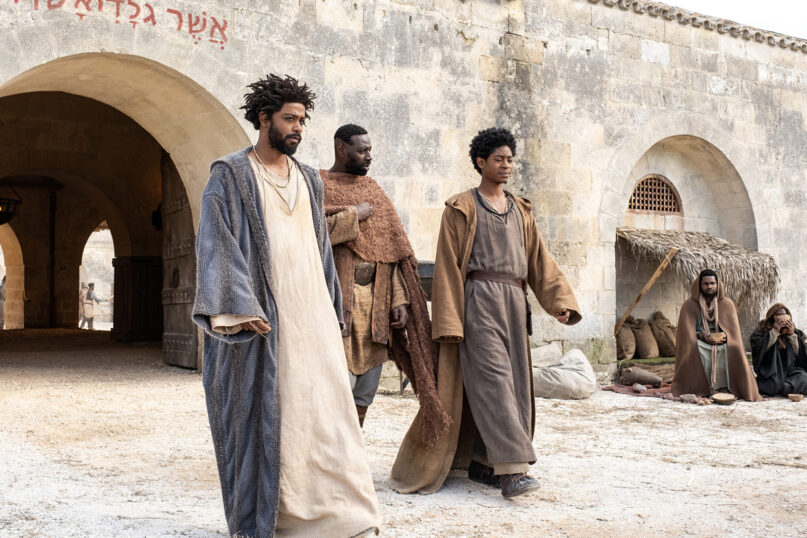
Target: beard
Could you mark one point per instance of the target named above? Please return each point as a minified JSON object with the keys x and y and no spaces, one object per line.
{"x":709,"y":294}
{"x":283,"y":143}
{"x":355,"y":168}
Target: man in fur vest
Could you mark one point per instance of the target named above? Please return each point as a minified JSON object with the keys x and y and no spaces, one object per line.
{"x":381,"y":292}
{"x":488,"y":252}
{"x":710,"y":355}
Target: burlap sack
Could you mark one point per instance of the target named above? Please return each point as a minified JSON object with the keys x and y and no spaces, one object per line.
{"x":664,"y":333}
{"x":625,"y":343}
{"x":646,"y":346}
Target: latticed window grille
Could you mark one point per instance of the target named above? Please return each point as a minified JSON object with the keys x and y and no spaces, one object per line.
{"x":656,"y":194}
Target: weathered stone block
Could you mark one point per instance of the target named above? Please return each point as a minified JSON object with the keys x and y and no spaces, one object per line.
{"x":655,"y":52}
{"x":706,"y":39}
{"x":723,"y":86}
{"x":678,"y":34}
{"x":520,"y":48}
{"x":491,"y":69}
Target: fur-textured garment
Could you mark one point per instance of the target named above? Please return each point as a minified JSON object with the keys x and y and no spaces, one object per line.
{"x":422,"y":467}
{"x":382,"y":239}
{"x":690,"y":375}
{"x":240,"y":370}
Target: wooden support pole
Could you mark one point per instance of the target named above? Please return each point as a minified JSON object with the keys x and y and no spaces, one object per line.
{"x":661,"y":268}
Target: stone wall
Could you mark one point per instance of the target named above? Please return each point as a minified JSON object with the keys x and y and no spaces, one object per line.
{"x":588,"y":87}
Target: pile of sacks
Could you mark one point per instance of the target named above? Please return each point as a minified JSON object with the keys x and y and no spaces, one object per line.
{"x":642,"y":339}
{"x":562,"y":376}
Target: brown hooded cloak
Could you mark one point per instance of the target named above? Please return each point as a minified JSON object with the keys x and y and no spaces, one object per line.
{"x":421,"y":466}
{"x":690,"y":376}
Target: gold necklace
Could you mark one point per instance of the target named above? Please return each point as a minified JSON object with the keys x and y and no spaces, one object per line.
{"x":269,"y":173}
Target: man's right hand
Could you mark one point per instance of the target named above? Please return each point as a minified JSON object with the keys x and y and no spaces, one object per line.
{"x":259,"y":326}
{"x":364,"y":211}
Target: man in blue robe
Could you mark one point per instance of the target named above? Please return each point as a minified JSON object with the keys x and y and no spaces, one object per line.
{"x":285,"y":433}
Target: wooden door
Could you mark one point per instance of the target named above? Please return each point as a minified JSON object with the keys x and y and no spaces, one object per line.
{"x":180,"y":337}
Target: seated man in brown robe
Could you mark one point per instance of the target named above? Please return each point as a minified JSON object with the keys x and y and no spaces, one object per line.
{"x":377,"y":270}
{"x":779,"y":352}
{"x":710,"y":356}
{"x":488,"y":251}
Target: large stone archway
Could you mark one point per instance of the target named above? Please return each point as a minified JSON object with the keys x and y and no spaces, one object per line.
{"x":192,"y":125}
{"x":190,"y":128}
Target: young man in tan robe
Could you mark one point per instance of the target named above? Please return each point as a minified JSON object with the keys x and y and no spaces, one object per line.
{"x":488,"y":251}
{"x":288,"y":446}
{"x":710,"y":355}
{"x":381,"y":292}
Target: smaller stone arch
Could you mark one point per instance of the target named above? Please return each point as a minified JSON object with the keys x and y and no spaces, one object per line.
{"x":707,"y":184}
{"x":15,"y":278}
{"x":96,"y":266}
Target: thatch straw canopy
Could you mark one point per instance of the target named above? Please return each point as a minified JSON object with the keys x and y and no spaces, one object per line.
{"x":748,"y":276}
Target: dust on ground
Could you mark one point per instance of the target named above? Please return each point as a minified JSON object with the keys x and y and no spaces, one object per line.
{"x":101,"y":439}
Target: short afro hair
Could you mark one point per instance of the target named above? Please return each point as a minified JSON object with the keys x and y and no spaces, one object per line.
{"x":346,"y":132}
{"x":706,"y":272}
{"x":271,"y":93}
{"x":487,"y":141}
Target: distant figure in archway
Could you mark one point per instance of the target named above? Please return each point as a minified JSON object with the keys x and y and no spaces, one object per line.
{"x":89,"y":302}
{"x":710,"y":356}
{"x":779,"y":352}
{"x":288,"y":445}
{"x":82,"y":296}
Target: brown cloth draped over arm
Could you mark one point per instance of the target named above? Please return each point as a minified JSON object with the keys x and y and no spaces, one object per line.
{"x":422,"y":466}
{"x":382,"y":239}
{"x":690,"y":376}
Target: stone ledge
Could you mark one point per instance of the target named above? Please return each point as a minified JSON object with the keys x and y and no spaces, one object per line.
{"x":722,"y":26}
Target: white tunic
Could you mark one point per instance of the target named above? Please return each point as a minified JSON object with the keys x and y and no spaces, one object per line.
{"x":326,"y":488}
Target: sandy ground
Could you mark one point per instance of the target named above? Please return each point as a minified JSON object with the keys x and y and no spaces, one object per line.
{"x":103,"y":440}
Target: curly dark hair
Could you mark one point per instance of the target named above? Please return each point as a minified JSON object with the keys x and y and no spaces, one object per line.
{"x":487,"y":141}
{"x":271,"y":93}
{"x":706,"y":272}
{"x":348,"y":131}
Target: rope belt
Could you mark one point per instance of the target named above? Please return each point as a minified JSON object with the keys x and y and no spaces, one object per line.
{"x":496,"y":277}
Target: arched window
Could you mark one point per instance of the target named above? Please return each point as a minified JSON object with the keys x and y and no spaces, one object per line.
{"x":655,"y":194}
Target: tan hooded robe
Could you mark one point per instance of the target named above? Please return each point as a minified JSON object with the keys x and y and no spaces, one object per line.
{"x":423,"y":468}
{"x":690,"y":375}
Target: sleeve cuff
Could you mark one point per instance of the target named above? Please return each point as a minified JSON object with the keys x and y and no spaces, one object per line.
{"x":229,"y":323}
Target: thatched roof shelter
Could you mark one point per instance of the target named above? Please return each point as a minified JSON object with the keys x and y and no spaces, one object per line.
{"x":748,"y":276}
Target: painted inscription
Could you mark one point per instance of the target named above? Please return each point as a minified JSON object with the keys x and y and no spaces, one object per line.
{"x":200,"y":28}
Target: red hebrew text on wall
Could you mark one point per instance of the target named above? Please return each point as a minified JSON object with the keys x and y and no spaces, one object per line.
{"x":200,"y":27}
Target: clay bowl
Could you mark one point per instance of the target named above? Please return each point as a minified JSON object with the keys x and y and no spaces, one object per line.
{"x":724,"y":398}
{"x":796,"y":397}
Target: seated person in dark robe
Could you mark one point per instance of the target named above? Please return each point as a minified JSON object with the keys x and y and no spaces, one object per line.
{"x":779,"y":352}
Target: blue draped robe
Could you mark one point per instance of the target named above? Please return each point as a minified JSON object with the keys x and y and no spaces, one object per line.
{"x":240,"y":370}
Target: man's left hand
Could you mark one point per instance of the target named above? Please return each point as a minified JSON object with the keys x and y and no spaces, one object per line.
{"x":399,"y":316}
{"x":563,"y":316}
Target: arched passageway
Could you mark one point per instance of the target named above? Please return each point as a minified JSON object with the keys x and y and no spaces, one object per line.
{"x":14,"y":272}
{"x":97,"y":273}
{"x":129,"y":141}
